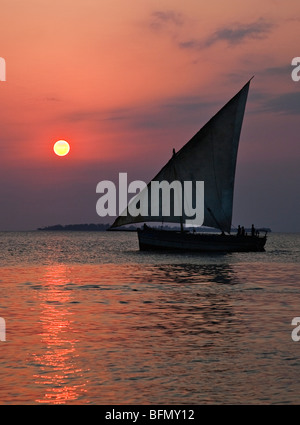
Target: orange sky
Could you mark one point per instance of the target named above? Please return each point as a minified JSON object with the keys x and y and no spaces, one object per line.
{"x":125,"y":82}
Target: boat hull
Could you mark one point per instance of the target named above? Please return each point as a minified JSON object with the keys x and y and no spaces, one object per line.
{"x":166,"y":240}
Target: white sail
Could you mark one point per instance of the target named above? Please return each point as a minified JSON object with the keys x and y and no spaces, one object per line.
{"x":210,"y":156}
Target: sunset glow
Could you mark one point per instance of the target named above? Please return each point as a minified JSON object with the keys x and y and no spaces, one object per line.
{"x":125,"y":83}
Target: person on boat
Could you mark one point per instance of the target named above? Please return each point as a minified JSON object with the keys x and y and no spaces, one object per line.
{"x":239,"y":231}
{"x":252,"y":230}
{"x":243,"y":231}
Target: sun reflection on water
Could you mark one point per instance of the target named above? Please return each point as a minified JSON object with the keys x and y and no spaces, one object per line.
{"x":58,"y":359}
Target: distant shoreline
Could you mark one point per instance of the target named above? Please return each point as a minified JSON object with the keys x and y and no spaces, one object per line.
{"x":76,"y":227}
{"x":92,"y":227}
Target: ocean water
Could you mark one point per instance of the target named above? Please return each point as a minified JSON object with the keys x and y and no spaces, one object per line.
{"x":89,"y":319}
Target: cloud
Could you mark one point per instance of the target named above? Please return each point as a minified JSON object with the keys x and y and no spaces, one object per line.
{"x":285,"y":103}
{"x":52,"y":99}
{"x":188,"y":104}
{"x":238,"y":33}
{"x":175,"y":111}
{"x":191,"y":44}
{"x":233,"y":35}
{"x":278,"y":70}
{"x":97,"y":115}
{"x":161,"y":19}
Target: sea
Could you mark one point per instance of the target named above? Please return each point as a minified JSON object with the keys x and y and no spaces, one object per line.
{"x":86,"y":318}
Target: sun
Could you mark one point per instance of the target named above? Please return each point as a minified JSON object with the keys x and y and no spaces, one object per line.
{"x":61,"y":148}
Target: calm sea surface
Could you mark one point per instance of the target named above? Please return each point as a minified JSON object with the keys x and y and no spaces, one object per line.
{"x":91,"y":320}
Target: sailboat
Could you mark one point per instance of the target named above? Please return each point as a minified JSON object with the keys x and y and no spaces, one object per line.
{"x":209,"y":157}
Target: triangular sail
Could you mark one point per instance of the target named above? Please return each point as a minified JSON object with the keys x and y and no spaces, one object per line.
{"x":210,"y":156}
